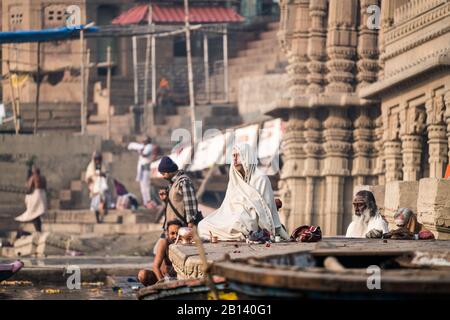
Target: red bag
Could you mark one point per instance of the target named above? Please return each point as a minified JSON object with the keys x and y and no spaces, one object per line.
{"x":426,"y":235}
{"x":307,"y":234}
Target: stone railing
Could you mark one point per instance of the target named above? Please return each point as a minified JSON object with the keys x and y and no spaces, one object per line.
{"x":414,"y":8}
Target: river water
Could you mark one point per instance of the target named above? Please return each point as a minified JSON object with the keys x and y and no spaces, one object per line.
{"x":116,"y":286}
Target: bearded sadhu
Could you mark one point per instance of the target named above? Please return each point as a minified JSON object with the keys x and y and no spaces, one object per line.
{"x":367,"y":221}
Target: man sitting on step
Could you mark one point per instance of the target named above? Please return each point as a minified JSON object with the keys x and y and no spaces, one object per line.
{"x":367,"y":220}
{"x":162,"y":266}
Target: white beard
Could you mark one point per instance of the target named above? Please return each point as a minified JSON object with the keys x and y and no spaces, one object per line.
{"x":358,"y":227}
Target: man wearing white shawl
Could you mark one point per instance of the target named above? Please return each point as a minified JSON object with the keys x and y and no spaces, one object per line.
{"x":97,"y":182}
{"x":249,"y":202}
{"x":367,"y":221}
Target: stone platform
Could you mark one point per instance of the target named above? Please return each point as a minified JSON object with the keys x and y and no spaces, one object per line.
{"x":187,"y":262}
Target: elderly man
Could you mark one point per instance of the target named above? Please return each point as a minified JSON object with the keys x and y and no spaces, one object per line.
{"x":249,"y":203}
{"x":367,"y":221}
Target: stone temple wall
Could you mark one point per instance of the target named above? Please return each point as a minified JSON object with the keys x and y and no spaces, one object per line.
{"x":355,"y":116}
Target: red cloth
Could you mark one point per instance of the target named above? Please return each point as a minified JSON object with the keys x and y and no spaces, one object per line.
{"x":447,"y":172}
{"x":307,"y":234}
{"x":426,"y":235}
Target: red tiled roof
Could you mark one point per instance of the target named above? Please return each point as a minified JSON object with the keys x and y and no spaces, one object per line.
{"x":175,"y":15}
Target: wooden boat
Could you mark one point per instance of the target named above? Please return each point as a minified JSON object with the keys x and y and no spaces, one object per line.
{"x":340,"y":274}
{"x":8,"y":270}
{"x":188,"y":289}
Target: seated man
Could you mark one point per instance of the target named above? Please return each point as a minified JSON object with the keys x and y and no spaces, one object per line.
{"x":249,"y":203}
{"x":408,"y":228}
{"x":162,"y":266}
{"x":367,"y":221}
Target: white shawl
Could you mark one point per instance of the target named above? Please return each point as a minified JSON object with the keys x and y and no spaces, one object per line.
{"x":248,"y":203}
{"x":361,"y":225}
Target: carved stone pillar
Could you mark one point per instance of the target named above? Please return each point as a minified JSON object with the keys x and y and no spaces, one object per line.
{"x":367,"y":48}
{"x":297,"y":53}
{"x":412,"y":125}
{"x":437,"y":136}
{"x":392,"y":147}
{"x":341,"y":45}
{"x":337,"y":147}
{"x":317,"y":46}
{"x":447,"y":119}
{"x":293,"y":193}
{"x":387,"y":20}
{"x":313,"y":149}
{"x":393,"y":159}
{"x":379,"y":169}
{"x":362,"y":147}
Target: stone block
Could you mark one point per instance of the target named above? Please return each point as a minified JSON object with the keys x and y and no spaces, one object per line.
{"x":26,"y":246}
{"x":76,"y":185}
{"x":65,"y":195}
{"x":400,"y":194}
{"x":433,"y":206}
{"x":52,"y":244}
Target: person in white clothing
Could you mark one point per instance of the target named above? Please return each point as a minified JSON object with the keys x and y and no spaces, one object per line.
{"x":249,"y":203}
{"x":367,"y":220}
{"x":143,"y":170}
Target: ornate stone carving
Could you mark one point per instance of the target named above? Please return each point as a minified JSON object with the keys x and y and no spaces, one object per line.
{"x":337,"y":143}
{"x":312,"y":147}
{"x":341,"y":45}
{"x":393,"y":160}
{"x":292,"y":145}
{"x":367,"y":48}
{"x":447,"y":117}
{"x":296,"y":44}
{"x":378,"y":145}
{"x":435,"y":108}
{"x":413,"y":121}
{"x":362,"y":145}
{"x":412,"y":151}
{"x":317,"y":46}
{"x":420,"y":22}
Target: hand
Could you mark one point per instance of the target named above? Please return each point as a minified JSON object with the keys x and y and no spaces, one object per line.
{"x":374,"y":234}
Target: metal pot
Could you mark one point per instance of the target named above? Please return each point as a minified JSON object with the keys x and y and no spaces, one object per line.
{"x":185,"y":235}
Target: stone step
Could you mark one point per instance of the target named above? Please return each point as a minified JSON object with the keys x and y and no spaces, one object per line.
{"x":82,"y":216}
{"x":97,"y":229}
{"x":270,"y":34}
{"x":262,"y":44}
{"x":114,"y":216}
{"x":76,"y":185}
{"x":49,"y":115}
{"x":253,"y":52}
{"x":50,"y":107}
{"x":273,"y":25}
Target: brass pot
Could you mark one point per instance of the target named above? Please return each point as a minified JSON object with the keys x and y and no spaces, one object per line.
{"x":185,"y":235}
